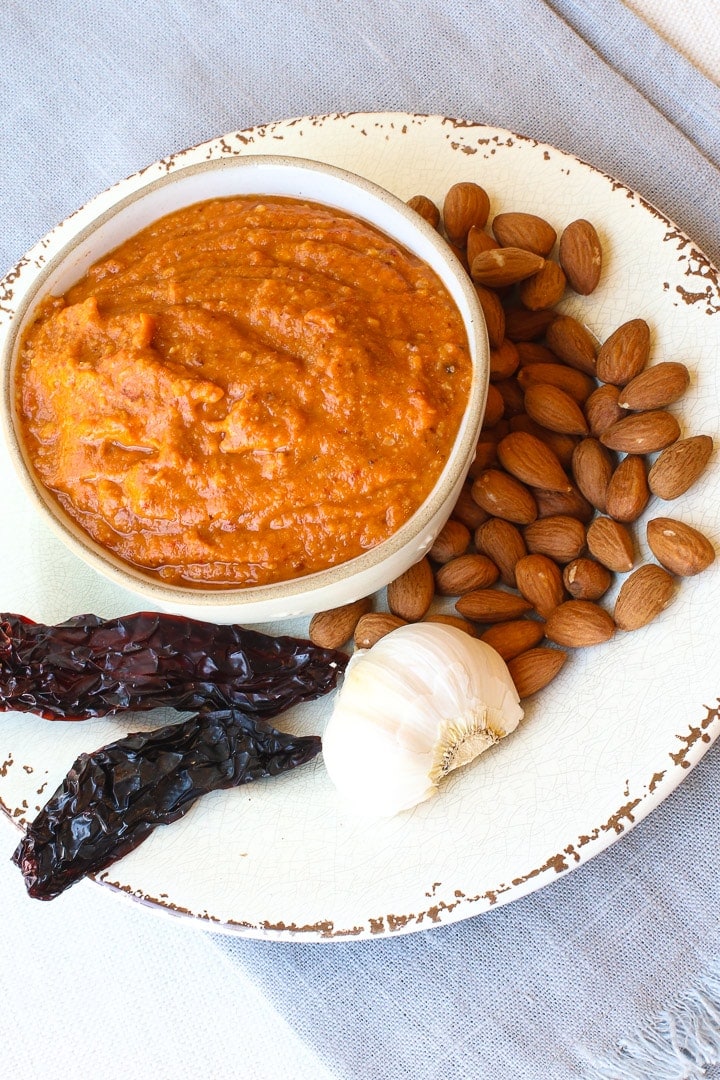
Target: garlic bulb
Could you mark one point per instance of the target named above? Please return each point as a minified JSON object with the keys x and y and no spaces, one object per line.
{"x":426,"y":699}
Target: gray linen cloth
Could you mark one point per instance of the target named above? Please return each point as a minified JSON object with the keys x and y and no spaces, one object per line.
{"x":613,"y":971}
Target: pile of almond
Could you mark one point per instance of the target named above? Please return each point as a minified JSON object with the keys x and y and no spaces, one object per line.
{"x":576,"y":439}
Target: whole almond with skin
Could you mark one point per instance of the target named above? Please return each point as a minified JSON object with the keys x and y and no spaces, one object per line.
{"x":580,"y":255}
{"x":524,"y":325}
{"x":494,"y":407}
{"x":532,"y":352}
{"x":544,"y":289}
{"x":586,"y":579}
{"x":504,"y":266}
{"x":485,"y":457}
{"x":465,"y":573}
{"x":512,"y":395}
{"x":572,"y":343}
{"x":467,"y":511}
{"x":477,"y":241}
{"x":453,"y":620}
{"x":514,"y":637}
{"x":680,"y":548}
{"x":526,"y":231}
{"x":533,"y":670}
{"x":426,"y":208}
{"x":561,"y":445}
{"x":576,"y":384}
{"x":560,"y":537}
{"x":564,"y":503}
{"x":331,"y":629}
{"x":602,"y":409}
{"x":578,"y":623}
{"x":540,"y":581}
{"x":656,"y":387}
{"x":611,"y":544}
{"x":494,"y":314}
{"x":410,"y":595}
{"x":643,"y":595}
{"x":373,"y":626}
{"x":466,"y":204}
{"x":552,"y":408}
{"x":592,"y":467}
{"x":502,"y":542}
{"x":677,"y":468}
{"x":529,"y":459}
{"x":504,"y":361}
{"x":492,"y":606}
{"x":625,"y":353}
{"x":642,"y":433}
{"x":502,"y":495}
{"x":452,"y":540}
{"x":628,"y":492}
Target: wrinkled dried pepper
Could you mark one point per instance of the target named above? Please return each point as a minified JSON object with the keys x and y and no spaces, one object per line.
{"x":111,"y":800}
{"x":89,"y":666}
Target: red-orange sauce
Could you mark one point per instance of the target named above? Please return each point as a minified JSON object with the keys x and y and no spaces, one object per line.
{"x":249,"y":390}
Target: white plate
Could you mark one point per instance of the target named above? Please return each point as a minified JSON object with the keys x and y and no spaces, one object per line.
{"x":605,"y":743}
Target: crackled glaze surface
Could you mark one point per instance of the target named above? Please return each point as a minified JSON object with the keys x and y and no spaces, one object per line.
{"x":605,"y":743}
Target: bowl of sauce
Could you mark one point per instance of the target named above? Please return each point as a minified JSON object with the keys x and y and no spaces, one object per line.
{"x":248,"y":389}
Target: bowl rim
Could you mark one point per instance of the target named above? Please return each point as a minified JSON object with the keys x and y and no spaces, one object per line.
{"x":57,"y":246}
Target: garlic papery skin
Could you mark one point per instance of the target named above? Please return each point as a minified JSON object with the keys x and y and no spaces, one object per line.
{"x":424,"y":700}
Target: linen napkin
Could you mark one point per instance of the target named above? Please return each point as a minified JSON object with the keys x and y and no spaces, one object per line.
{"x":613,"y":971}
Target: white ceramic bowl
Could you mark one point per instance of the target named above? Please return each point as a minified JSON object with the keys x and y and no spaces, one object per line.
{"x":63,"y":257}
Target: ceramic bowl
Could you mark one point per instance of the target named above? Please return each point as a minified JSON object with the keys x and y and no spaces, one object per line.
{"x":63,"y":257}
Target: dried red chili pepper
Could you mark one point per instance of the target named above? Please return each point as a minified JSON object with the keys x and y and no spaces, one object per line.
{"x":89,"y":666}
{"x":111,"y":800}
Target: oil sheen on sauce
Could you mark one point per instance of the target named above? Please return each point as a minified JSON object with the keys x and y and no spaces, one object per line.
{"x":249,"y":390}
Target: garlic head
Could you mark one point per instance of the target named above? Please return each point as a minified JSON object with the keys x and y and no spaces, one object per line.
{"x":426,"y":699}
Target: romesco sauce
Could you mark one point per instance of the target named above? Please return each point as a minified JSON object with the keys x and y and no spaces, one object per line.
{"x":249,"y":390}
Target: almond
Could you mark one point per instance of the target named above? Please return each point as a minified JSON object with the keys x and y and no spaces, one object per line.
{"x":576,"y":383}
{"x":453,"y":620}
{"x":643,"y":595}
{"x":465,"y":573}
{"x":485,"y":456}
{"x":586,"y":579}
{"x":533,"y":670}
{"x":611,"y":544}
{"x":478,"y":241}
{"x":467,"y":511}
{"x":680,"y":548}
{"x":526,"y":231}
{"x":528,"y":459}
{"x":494,"y":314}
{"x":331,"y":629}
{"x":452,"y":540}
{"x":512,"y":395}
{"x":656,"y":388}
{"x":552,"y":408}
{"x":602,"y":409}
{"x":524,"y":325}
{"x":504,"y":266}
{"x":373,"y":626}
{"x":628,"y":492}
{"x":677,"y":468}
{"x":492,"y":606}
{"x":494,"y":407}
{"x":410,"y":595}
{"x":578,"y":623}
{"x":642,"y":433}
{"x":625,"y":353}
{"x":503,"y":496}
{"x":561,"y":445}
{"x":504,"y":360}
{"x":426,"y":208}
{"x":502,"y":542}
{"x":560,"y":537}
{"x":532,"y":352}
{"x":514,"y":637}
{"x":539,"y":580}
{"x":592,"y":467}
{"x":573,"y":343}
{"x":570,"y":503}
{"x":466,"y":204}
{"x":580,"y":255}
{"x":544,"y":289}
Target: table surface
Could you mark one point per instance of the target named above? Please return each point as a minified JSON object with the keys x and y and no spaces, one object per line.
{"x":92,"y":981}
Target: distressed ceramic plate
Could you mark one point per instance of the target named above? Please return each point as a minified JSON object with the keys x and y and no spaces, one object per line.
{"x":599,"y":748}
